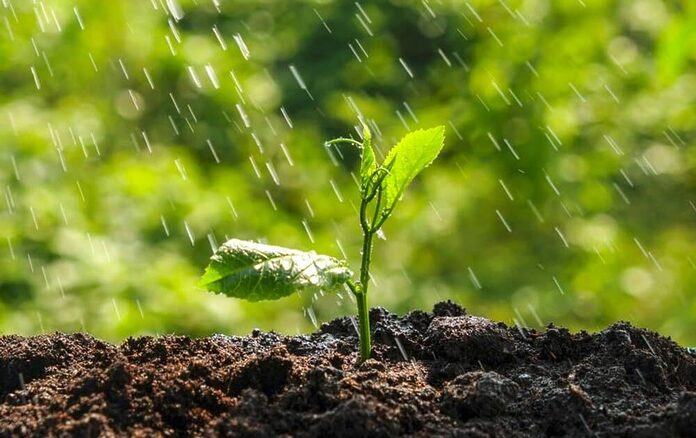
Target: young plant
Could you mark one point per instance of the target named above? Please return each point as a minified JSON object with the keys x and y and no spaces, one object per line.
{"x":255,"y":272}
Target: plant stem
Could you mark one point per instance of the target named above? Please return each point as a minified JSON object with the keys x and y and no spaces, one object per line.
{"x":364,"y":326}
{"x":363,"y":307}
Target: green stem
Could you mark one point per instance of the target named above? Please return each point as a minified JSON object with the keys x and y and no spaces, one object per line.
{"x":363,"y":307}
{"x":364,"y":326}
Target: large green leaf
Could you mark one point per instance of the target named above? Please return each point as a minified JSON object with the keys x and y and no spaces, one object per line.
{"x":255,"y":272}
{"x":368,"y":165}
{"x":413,"y":153}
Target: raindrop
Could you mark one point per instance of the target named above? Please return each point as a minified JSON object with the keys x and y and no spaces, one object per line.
{"x":79,"y":19}
{"x":305,"y":224}
{"x":216,"y":31}
{"x":175,"y":9}
{"x":326,"y":26}
{"x":495,"y":143}
{"x":558,"y":285}
{"x":534,"y":209}
{"x":473,"y":278}
{"x":255,"y":167}
{"x":36,"y":78}
{"x":270,"y":199}
{"x":535,"y":315}
{"x":149,"y":79}
{"x":147,"y":141}
{"x":336,"y":191}
{"x":403,"y":121}
{"x":402,"y":350}
{"x":437,"y":213}
{"x":242,"y":46}
{"x":456,"y":131}
{"x":175,"y":31}
{"x":560,"y":234}
{"x":405,"y":66}
{"x":285,"y":115}
{"x":272,"y":171}
{"x":171,"y":121}
{"x":611,"y":93}
{"x":243,"y":115}
{"x":500,"y":92}
{"x":410,"y":112}
{"x":194,"y":76}
{"x":48,"y":64}
{"x":140,"y":309}
{"x":287,"y":154}
{"x":176,"y":106}
{"x":134,"y":100}
{"x":312,"y":317}
{"x":94,"y":64}
{"x":9,"y":245}
{"x":79,"y":189}
{"x":577,"y":93}
{"x":553,"y":186}
{"x":299,"y":80}
{"x":350,"y":46}
{"x":622,"y":194}
{"x":9,"y":29}
{"x":500,"y":43}
{"x":118,"y":314}
{"x":14,"y":167}
{"x":444,"y":57}
{"x":33,"y":217}
{"x":45,"y":277}
{"x":189,"y":233}
{"x":514,"y":153}
{"x":164,"y":225}
{"x":212,"y":150}
{"x":213,"y":242}
{"x":309,"y":208}
{"x":212,"y":76}
{"x":502,"y":219}
{"x":514,"y":96}
{"x":232,"y":209}
{"x":507,"y":192}
{"x":180,"y":167}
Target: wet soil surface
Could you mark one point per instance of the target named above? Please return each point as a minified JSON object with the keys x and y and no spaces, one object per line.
{"x":443,"y":373}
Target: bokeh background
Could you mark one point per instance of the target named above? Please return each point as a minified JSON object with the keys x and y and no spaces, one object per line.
{"x":136,"y":135}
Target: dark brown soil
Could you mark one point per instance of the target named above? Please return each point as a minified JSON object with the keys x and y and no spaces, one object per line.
{"x":439,"y":374}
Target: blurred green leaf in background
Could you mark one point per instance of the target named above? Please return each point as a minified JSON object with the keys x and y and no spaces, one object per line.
{"x":135,"y":136}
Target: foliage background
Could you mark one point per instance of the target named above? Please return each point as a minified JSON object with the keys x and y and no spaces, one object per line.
{"x":112,"y":195}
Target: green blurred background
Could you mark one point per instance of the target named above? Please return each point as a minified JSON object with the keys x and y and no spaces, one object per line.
{"x":135,"y":135}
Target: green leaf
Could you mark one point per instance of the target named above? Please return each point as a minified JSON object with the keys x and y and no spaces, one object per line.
{"x":367,"y":162}
{"x":255,"y":272}
{"x":414,"y":152}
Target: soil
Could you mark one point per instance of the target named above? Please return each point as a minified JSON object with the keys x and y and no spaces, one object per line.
{"x":443,"y":373}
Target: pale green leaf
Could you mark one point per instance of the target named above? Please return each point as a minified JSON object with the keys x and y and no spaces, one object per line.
{"x":368,"y":165}
{"x":408,"y":158}
{"x":255,"y":272}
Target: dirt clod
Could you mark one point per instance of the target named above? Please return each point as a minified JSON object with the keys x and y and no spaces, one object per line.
{"x":444,"y":373}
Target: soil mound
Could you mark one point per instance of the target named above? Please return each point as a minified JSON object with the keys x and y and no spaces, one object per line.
{"x":443,"y":373}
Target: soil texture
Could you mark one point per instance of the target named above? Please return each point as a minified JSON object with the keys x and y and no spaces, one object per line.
{"x":444,"y":373}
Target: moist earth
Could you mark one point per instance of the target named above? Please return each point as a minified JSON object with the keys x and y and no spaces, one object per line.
{"x":444,"y":373}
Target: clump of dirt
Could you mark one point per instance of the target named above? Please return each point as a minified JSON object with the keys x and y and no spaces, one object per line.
{"x":443,"y":373}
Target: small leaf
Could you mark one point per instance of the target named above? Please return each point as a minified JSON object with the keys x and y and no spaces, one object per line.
{"x":255,"y":272}
{"x":414,"y":152}
{"x":367,"y":161}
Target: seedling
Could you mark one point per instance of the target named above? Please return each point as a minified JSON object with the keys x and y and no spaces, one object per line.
{"x":255,"y":272}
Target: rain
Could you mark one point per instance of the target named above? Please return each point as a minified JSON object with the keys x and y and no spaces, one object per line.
{"x":131,"y":141}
